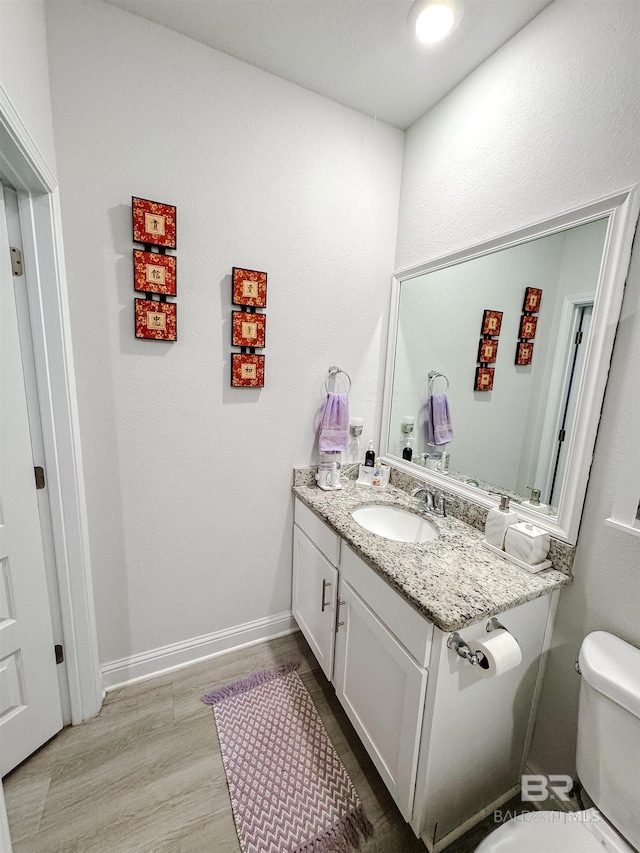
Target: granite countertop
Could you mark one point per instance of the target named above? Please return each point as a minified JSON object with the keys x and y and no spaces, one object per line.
{"x":452,"y":580}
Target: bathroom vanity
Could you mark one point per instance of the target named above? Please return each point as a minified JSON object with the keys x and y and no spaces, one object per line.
{"x":447,"y":738}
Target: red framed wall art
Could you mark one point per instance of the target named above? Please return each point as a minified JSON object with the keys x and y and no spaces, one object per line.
{"x":484,"y":379}
{"x":247,"y":370}
{"x":156,"y":320}
{"x":248,"y":329}
{"x":154,"y":273}
{"x":488,"y":350}
{"x":528,"y":325}
{"x":532,"y":300}
{"x":491,"y":323}
{"x":154,"y":223}
{"x":249,"y":287}
{"x":524,"y":353}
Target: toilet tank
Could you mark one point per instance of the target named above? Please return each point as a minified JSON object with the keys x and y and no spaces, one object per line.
{"x":608,"y":751}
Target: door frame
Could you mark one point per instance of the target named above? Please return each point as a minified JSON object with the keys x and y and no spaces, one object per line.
{"x":23,"y":166}
{"x":557,"y":387}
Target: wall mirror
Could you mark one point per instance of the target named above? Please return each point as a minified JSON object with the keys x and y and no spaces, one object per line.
{"x":518,"y":333}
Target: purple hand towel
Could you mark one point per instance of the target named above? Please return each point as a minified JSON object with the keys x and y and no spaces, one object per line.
{"x":334,"y":424}
{"x":439,"y":429}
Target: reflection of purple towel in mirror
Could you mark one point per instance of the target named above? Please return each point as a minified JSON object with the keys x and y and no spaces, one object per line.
{"x":334,"y":424}
{"x":439,"y":429}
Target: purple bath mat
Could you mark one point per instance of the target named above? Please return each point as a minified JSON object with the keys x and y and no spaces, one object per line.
{"x":290,"y":792}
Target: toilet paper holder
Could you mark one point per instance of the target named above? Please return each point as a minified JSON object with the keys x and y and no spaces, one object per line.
{"x":461,"y":648}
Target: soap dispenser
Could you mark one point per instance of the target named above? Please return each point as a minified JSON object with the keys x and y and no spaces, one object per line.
{"x":408,"y":423}
{"x":499,"y":519}
{"x":534,"y":501}
{"x":370,"y":456}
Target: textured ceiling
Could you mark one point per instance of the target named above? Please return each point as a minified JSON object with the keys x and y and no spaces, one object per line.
{"x":359,"y":53}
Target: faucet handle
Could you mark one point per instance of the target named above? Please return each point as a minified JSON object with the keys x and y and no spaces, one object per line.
{"x":447,"y":500}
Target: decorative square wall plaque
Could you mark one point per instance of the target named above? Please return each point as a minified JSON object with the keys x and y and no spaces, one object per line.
{"x":491,"y":323}
{"x":532,"y":300}
{"x":524,"y":353}
{"x":528,"y":326}
{"x":484,"y":379}
{"x":248,"y":329}
{"x":249,"y":287}
{"x":154,"y":223}
{"x":488,"y":350}
{"x":247,"y":370}
{"x":154,"y":273}
{"x":156,"y":320}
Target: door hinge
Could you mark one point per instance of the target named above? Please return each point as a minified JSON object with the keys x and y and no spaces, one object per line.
{"x":59,"y":653}
{"x":16,"y":260}
{"x":578,"y":338}
{"x":561,"y":435}
{"x":39,"y":475}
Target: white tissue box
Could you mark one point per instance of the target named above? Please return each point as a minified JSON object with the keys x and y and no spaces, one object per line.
{"x":526,"y":542}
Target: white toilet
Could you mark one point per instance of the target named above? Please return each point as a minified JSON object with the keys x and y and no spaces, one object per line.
{"x":607,"y":758}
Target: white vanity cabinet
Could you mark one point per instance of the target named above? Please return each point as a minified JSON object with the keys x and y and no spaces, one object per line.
{"x":316,"y":551}
{"x":370,"y":642}
{"x":477,"y":728}
{"x":448,"y":740}
{"x":380,"y":684}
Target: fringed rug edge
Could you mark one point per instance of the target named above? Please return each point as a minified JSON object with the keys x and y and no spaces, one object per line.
{"x":342,"y":837}
{"x":218,"y":695}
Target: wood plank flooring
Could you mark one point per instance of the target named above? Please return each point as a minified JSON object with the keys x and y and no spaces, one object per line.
{"x":146,"y":775}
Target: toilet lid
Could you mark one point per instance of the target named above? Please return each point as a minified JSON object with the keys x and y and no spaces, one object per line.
{"x":544,"y":832}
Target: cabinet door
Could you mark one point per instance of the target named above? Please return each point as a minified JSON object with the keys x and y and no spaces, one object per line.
{"x":382,"y":689}
{"x":315,"y":586}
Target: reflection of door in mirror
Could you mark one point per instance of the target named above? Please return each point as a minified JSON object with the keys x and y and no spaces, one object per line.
{"x":505,"y":438}
{"x":552,"y":464}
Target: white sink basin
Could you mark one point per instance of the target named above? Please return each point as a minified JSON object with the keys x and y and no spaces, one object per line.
{"x":394,"y":523}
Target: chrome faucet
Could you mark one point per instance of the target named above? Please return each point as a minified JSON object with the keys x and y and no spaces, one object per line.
{"x":435,"y":500}
{"x":415,"y":492}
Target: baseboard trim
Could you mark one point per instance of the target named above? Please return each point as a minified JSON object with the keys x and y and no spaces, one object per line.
{"x":470,"y":822}
{"x":141,"y":667}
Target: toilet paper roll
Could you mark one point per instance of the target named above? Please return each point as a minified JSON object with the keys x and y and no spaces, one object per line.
{"x":498,"y":653}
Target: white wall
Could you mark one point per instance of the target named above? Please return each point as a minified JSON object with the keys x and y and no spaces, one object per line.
{"x":549,"y":122}
{"x":24,"y":74}
{"x":188,"y":480}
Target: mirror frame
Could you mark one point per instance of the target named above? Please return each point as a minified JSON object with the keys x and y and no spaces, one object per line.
{"x":621,"y":209}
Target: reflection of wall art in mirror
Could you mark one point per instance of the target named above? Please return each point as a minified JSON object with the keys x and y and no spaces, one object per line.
{"x":484,"y":379}
{"x":249,"y":287}
{"x":248,"y":329}
{"x":524,"y":353}
{"x":491,"y":322}
{"x":154,"y":223}
{"x":154,"y":273}
{"x":532,"y":300}
{"x":528,"y":327}
{"x":488,"y":350}
{"x":156,"y":320}
{"x":247,"y":370}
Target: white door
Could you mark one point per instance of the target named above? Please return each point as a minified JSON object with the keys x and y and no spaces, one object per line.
{"x":30,"y":711}
{"x":315,"y":588}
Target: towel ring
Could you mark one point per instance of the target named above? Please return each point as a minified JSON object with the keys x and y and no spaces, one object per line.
{"x":435,"y":374}
{"x":333,"y":371}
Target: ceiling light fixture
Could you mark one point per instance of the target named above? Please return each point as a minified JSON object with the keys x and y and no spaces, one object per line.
{"x":434,"y":20}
